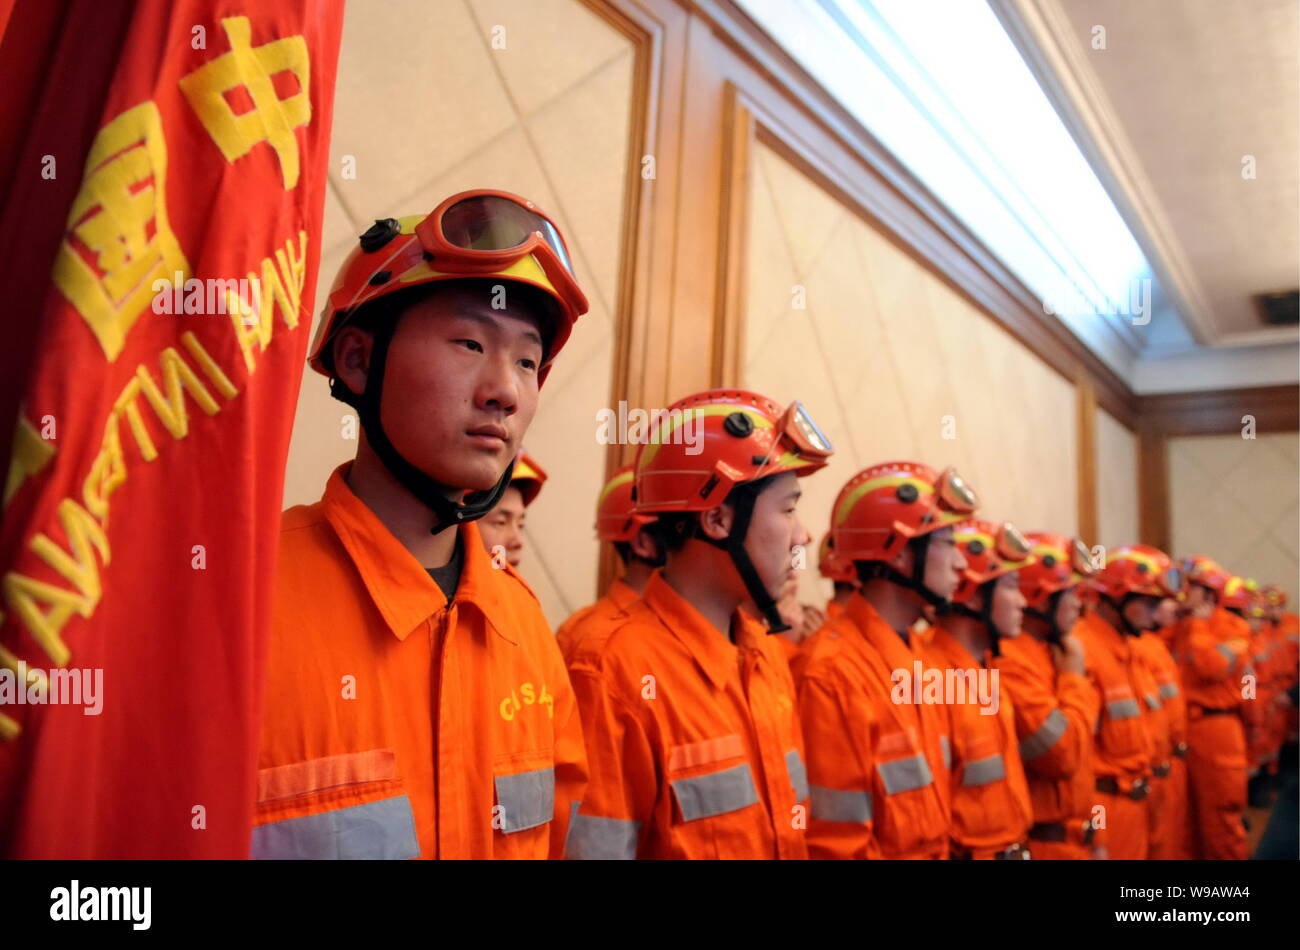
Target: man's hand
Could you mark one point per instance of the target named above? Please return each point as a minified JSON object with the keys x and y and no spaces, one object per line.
{"x":1068,"y":657}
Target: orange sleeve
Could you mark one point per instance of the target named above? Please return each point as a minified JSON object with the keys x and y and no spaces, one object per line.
{"x":564,"y":634}
{"x":618,"y":804}
{"x":838,"y":736}
{"x":1054,"y":728}
{"x":1210,"y":658}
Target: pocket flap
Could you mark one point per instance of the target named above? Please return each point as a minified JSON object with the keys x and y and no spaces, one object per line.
{"x":526,"y":799}
{"x":715,"y":793}
{"x":383,"y":829}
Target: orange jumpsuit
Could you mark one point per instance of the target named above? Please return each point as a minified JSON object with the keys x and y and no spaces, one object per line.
{"x":991,"y":809}
{"x":1148,"y":672}
{"x":1122,"y":749}
{"x":598,"y":617}
{"x":694,"y":744}
{"x":1215,"y":654}
{"x":1056,"y":715}
{"x":396,"y":724}
{"x":1288,"y":628}
{"x":1171,"y":830}
{"x":876,"y":767}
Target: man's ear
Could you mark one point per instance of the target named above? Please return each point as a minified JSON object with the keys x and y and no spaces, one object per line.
{"x":903,"y":560}
{"x":644,"y":545}
{"x":716,"y":522}
{"x":352,"y":357}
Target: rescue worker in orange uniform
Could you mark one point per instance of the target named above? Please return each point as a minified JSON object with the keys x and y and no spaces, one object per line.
{"x":416,"y":704}
{"x":1056,"y":707}
{"x":1239,"y":599}
{"x":617,"y":522}
{"x":1214,"y":649}
{"x":876,"y":764}
{"x":1172,"y":835}
{"x":687,"y":702}
{"x":991,"y":809}
{"x":502,"y":528}
{"x":1131,"y":732}
{"x":1170,"y":828}
{"x":1286,"y":628}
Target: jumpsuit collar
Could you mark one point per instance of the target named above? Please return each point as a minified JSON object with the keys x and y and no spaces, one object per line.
{"x":402,"y":590}
{"x":713,"y":653}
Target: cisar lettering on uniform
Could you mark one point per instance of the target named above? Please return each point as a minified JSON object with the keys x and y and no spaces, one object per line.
{"x":525,"y":694}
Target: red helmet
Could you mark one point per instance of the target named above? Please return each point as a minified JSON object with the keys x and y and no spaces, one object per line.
{"x":885,"y":506}
{"x":1060,"y":562}
{"x":616,"y":517}
{"x":1274,"y":595}
{"x":1239,"y":593}
{"x":990,"y":551}
{"x":740,"y":437}
{"x":832,"y":566}
{"x":1202,"y":570}
{"x":1137,"y":569}
{"x":480,"y":233}
{"x":528,"y":477}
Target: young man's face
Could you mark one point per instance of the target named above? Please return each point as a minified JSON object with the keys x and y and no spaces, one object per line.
{"x":1008,"y":605}
{"x":504,"y":526}
{"x":1067,"y":610}
{"x":460,"y":384}
{"x":1196,"y":595}
{"x":1141,"y":612}
{"x":774,"y":530}
{"x":943,"y":563}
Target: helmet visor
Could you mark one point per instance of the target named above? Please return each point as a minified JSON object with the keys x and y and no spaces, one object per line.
{"x":1012,"y":545}
{"x":798,"y":426}
{"x":1081,"y":560}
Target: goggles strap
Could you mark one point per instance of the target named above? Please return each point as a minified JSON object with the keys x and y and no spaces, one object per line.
{"x":743,"y":496}
{"x":427,"y":491}
{"x":986,"y":615}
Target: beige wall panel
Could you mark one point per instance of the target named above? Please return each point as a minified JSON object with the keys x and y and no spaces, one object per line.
{"x":1117,"y":482}
{"x":546,"y":117}
{"x":1236,"y":500}
{"x":895,"y":365}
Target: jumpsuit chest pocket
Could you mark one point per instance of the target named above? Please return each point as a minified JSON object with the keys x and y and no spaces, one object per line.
{"x":344,"y":807}
{"x":713,"y":793}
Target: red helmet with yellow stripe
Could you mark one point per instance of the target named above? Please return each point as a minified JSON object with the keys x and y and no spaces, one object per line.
{"x":883,"y":507}
{"x":1060,"y":562}
{"x":1239,"y":593}
{"x":1199,"y":569}
{"x":704,"y":445}
{"x":616,"y":516}
{"x":528,"y":477}
{"x":991,"y":551}
{"x":1137,"y":569}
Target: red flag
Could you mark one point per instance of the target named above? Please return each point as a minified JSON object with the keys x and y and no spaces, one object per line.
{"x":163,"y":220}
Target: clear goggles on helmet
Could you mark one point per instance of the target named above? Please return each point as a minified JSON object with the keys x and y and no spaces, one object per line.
{"x":489,"y":229}
{"x":1081,"y":560}
{"x":1010,"y":544}
{"x":955,"y":493}
{"x":1171,"y":581}
{"x":796,"y":425}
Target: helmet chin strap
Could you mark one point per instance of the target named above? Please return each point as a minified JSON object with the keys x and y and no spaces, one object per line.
{"x":430,"y":493}
{"x":743,"y":497}
{"x":915,"y":583}
{"x":984,"y":615}
{"x":1054,"y":632}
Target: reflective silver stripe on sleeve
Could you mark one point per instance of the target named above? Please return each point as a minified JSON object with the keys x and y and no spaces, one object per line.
{"x":601,"y":839}
{"x":1226,"y":652}
{"x":946,"y":749}
{"x":1045,"y":736}
{"x":715,"y":793}
{"x":1152,"y":701}
{"x":983,"y":771}
{"x":1168,"y":690}
{"x":798,"y":774}
{"x":374,"y":831}
{"x":1123,"y":709}
{"x":832,"y":804}
{"x":905,"y":775}
{"x":527,"y":799}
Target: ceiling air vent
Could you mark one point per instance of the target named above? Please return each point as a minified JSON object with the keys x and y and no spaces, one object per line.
{"x":1279,"y":309}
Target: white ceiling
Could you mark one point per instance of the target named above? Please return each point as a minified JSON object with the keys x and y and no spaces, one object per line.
{"x":1167,"y":113}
